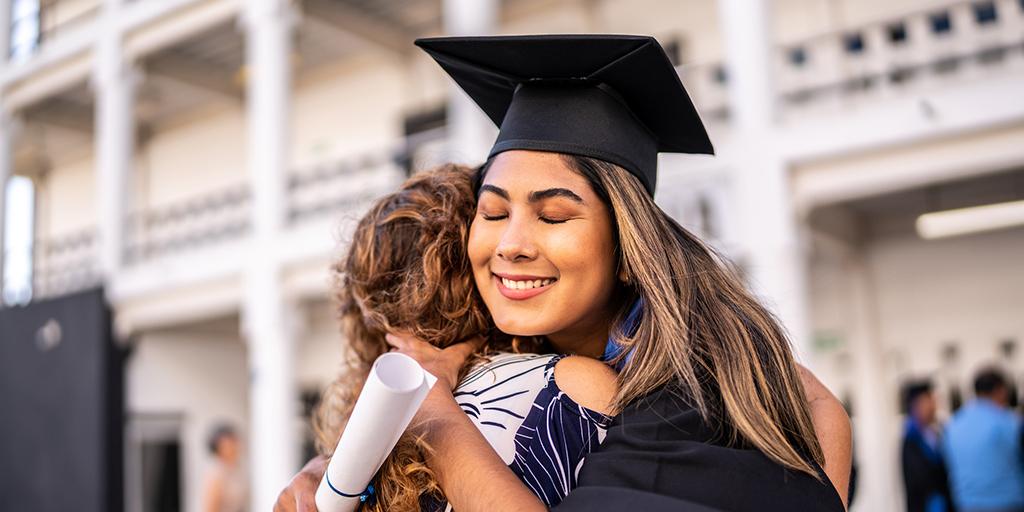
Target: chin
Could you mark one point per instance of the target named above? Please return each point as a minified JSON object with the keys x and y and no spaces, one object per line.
{"x":517,"y":327}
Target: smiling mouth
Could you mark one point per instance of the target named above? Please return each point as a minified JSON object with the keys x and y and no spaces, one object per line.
{"x":527,"y":284}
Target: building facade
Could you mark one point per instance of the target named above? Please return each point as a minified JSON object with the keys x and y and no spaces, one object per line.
{"x":204,"y":160}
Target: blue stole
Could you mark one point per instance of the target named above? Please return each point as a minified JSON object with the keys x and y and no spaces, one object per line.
{"x":628,"y":327}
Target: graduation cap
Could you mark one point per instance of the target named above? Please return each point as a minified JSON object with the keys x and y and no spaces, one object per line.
{"x":612,"y":97}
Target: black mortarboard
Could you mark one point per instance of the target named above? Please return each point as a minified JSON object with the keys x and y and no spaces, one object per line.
{"x":612,"y":97}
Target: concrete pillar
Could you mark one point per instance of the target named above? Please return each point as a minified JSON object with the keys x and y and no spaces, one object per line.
{"x":6,"y":170}
{"x":772,"y":254}
{"x":5,"y":34}
{"x":876,"y":453}
{"x":470,"y":133}
{"x":273,"y":404}
{"x":114,"y":81}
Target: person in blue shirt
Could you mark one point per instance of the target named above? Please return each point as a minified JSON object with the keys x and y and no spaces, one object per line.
{"x":983,"y":449}
{"x":924,"y":470}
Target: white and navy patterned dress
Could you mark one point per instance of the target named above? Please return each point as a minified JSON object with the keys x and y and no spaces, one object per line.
{"x":539,"y":431}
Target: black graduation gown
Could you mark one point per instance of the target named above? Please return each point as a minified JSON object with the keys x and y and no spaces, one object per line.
{"x":924,"y":473}
{"x":659,"y":455}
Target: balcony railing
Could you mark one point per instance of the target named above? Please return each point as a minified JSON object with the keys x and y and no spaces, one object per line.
{"x":965,"y":39}
{"x":66,"y":264}
{"x":343,"y":187}
{"x":197,"y":222}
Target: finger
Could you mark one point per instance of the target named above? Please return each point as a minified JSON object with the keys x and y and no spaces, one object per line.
{"x":466,"y":348}
{"x":284,"y":502}
{"x":306,"y":503}
{"x":396,"y":341}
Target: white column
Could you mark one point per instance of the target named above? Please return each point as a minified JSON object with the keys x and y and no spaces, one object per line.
{"x":470,"y":133}
{"x":5,"y":34}
{"x":875,"y":449}
{"x":773,"y":254}
{"x":114,"y":82}
{"x":6,"y":170}
{"x":273,"y":436}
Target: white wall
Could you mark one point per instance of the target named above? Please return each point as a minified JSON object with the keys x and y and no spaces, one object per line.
{"x":68,"y":199}
{"x":924,"y":295}
{"x":967,"y":290}
{"x":202,"y":155}
{"x":347,"y":109}
{"x":202,"y":377}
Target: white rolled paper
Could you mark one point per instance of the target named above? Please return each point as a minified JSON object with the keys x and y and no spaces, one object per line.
{"x":393,"y":392}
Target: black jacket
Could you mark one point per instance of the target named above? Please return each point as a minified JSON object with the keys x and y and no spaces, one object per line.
{"x":924,"y":472}
{"x":660,"y":455}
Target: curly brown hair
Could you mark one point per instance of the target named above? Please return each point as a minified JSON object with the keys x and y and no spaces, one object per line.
{"x":406,"y":269}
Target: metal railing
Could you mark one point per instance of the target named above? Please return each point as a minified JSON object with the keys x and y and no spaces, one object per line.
{"x":339,"y":190}
{"x":344,"y":186}
{"x":66,"y":264}
{"x":197,"y":222}
{"x":957,"y":40}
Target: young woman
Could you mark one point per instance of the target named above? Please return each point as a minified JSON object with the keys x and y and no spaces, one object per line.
{"x":567,"y":242}
{"x":407,"y":269}
{"x":719,"y":420}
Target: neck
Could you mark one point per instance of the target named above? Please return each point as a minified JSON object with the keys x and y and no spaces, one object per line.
{"x":590,"y":338}
{"x":995,"y":400}
{"x":588,"y":342}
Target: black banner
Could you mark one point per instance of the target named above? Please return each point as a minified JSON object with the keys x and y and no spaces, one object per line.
{"x":61,"y":400}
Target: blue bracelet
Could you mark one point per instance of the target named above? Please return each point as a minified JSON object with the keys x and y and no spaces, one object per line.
{"x":364,"y":497}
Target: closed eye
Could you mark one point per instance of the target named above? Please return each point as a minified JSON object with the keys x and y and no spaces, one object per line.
{"x":494,"y":217}
{"x":548,"y":220}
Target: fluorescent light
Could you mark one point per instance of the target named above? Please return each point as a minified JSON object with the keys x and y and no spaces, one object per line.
{"x":975,"y":219}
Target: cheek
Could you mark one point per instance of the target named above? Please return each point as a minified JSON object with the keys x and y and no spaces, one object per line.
{"x":479,"y":246}
{"x":588,"y":258}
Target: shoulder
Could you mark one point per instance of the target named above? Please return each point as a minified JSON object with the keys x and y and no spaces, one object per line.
{"x":589,"y":382}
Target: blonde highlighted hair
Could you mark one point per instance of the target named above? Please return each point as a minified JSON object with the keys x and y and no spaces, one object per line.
{"x":701,"y":331}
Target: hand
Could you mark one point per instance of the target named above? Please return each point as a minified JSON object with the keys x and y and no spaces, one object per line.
{"x":300,"y":494}
{"x":441,"y":363}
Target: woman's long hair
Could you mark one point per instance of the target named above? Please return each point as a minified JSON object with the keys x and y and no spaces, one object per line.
{"x":701,"y":331}
{"x":406,"y":269}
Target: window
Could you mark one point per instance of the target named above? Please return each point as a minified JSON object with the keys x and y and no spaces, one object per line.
{"x":853,"y":43}
{"x":674,"y":50}
{"x":941,"y":22}
{"x":897,"y":33}
{"x":985,"y":13}
{"x":797,"y":56}
{"x":19,"y":230}
{"x":24,"y":29}
{"x":721,"y":76}
{"x":424,"y":139}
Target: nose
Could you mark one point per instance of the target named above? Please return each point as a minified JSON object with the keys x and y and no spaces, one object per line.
{"x":516,"y":244}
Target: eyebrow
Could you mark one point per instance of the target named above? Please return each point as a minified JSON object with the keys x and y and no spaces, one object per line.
{"x":538,"y":195}
{"x":541,"y":195}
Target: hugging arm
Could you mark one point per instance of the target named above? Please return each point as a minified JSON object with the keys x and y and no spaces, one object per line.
{"x":469,"y":471}
{"x":832,"y":428}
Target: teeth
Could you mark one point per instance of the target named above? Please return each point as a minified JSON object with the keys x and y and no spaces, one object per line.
{"x":525,"y":285}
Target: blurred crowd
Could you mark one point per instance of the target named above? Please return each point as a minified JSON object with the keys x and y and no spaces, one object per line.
{"x":972,"y":463}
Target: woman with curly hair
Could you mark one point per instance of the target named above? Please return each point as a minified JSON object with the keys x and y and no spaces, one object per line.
{"x":407,"y":270}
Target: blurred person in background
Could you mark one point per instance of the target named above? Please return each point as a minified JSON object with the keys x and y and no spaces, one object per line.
{"x":983,"y":449}
{"x":924,"y":470}
{"x":225,"y":489}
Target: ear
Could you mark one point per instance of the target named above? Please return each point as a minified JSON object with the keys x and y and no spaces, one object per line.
{"x":623,"y":275}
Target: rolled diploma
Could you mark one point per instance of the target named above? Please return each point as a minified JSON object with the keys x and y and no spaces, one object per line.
{"x":390,"y":398}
